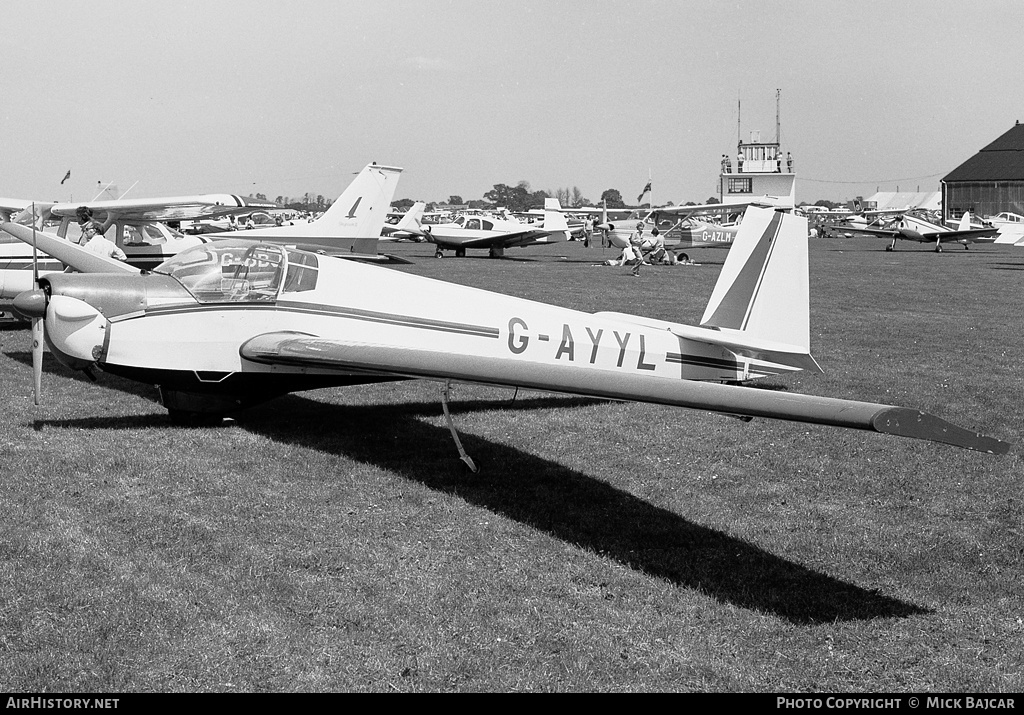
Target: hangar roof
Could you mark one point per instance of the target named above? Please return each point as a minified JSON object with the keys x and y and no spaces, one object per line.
{"x":1002,"y":160}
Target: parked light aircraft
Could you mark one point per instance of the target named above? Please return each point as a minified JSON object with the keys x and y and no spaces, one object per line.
{"x":405,"y":225}
{"x":493,"y":233}
{"x":679,"y":225}
{"x":1010,"y":227}
{"x":135,"y":225}
{"x":234,"y":323}
{"x":138,"y":226}
{"x":351,"y":227}
{"x":915,"y":227}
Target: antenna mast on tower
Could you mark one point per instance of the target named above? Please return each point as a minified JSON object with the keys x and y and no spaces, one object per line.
{"x":739,"y":130}
{"x":778,"y":125}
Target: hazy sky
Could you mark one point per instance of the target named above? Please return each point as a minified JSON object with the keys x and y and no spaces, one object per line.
{"x":283,"y":97}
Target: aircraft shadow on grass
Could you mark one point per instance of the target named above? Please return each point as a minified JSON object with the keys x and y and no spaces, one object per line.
{"x":542,"y":494}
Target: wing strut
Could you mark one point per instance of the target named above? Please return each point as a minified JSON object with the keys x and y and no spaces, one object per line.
{"x":451,"y":426}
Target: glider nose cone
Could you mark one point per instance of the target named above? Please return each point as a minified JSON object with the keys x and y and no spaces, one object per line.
{"x":75,"y":331}
{"x":31,"y":303}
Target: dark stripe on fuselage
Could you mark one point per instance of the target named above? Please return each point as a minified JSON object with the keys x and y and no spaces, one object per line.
{"x":701,"y":361}
{"x":391,"y":319}
{"x":335,"y":311}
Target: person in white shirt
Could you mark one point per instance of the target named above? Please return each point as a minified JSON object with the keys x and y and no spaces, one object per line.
{"x":92,"y":237}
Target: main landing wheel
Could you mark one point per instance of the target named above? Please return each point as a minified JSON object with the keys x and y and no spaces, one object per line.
{"x":682,"y":258}
{"x":938,"y":249}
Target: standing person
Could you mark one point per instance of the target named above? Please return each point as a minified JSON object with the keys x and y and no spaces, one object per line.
{"x":739,"y":162}
{"x":789,"y":162}
{"x":636,"y":241}
{"x":100,"y":245}
{"x":90,"y":225}
{"x":92,"y":237}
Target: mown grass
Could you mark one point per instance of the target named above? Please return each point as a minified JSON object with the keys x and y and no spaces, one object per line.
{"x":332,"y":541}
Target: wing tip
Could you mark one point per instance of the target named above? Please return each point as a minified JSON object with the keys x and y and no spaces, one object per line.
{"x":906,"y":422}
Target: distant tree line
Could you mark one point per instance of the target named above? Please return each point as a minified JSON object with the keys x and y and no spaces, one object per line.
{"x":513,"y":198}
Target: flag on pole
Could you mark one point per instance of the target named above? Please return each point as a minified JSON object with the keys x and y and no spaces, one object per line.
{"x":66,"y":177}
{"x":647,"y":190}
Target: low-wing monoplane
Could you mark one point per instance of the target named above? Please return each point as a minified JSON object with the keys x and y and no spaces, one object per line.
{"x":495,"y":234}
{"x":913,"y":226}
{"x":1009,"y":225}
{"x":234,"y":323}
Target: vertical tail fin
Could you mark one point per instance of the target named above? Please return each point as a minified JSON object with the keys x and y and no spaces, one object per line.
{"x":764,"y":288}
{"x":412,"y":217}
{"x":363,"y":207}
{"x":965,"y":222}
{"x":554,"y":219}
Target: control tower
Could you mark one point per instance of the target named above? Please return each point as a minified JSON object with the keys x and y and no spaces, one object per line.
{"x":758,"y":169}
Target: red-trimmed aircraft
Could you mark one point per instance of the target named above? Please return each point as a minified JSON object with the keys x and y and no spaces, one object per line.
{"x":233,"y":323}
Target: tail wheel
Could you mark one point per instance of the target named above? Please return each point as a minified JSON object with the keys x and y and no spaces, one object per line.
{"x":682,"y":258}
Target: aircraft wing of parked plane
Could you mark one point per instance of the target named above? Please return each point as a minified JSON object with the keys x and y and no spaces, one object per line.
{"x":911,"y":227}
{"x":260,"y":320}
{"x":168,"y":208}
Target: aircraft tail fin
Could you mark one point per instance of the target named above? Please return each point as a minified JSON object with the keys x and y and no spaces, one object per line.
{"x":763,"y":290}
{"x":554,"y":219}
{"x":965,"y":222}
{"x":412,"y":217}
{"x":363,"y":207}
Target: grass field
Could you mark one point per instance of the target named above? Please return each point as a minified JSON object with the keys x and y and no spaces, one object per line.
{"x":332,"y":541}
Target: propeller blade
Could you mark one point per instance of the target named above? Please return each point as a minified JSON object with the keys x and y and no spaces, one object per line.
{"x":38,"y":326}
{"x":37,"y":359}
{"x":35,"y":250}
